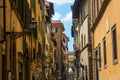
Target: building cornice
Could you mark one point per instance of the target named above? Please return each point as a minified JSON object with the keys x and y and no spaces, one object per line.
{"x":100,"y":14}
{"x":75,"y":9}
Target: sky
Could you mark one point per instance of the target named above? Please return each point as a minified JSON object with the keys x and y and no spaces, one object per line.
{"x":62,"y":9}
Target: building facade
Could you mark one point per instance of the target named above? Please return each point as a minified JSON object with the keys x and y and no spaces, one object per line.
{"x":65,"y":41}
{"x":105,"y":26}
{"x":49,"y":47}
{"x":58,"y":29}
{"x":22,"y":38}
{"x":102,"y":24}
{"x":82,"y":43}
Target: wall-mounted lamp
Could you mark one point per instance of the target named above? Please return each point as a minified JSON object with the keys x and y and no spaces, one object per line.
{"x":33,"y":24}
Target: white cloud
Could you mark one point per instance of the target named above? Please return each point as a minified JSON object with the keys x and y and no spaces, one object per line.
{"x":60,"y":2}
{"x":56,"y":16}
{"x":68,"y":17}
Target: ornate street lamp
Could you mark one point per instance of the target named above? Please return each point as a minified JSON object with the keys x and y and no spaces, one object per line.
{"x":33,"y":24}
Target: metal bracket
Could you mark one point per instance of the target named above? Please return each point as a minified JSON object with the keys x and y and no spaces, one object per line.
{"x":15,"y":35}
{"x":2,"y":6}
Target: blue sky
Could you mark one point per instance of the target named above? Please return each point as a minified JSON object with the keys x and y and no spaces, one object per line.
{"x":63,"y":12}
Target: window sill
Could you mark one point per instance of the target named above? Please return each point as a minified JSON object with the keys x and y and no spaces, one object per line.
{"x":105,"y":66}
{"x":115,"y":61}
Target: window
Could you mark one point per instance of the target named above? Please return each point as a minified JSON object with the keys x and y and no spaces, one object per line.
{"x":114,"y":44}
{"x":33,"y":78}
{"x":51,"y":49}
{"x":38,"y":1}
{"x":98,"y":56}
{"x":55,"y":30}
{"x":82,"y":40}
{"x":80,"y":18}
{"x":34,"y":54}
{"x":39,"y":51}
{"x":20,"y":7}
{"x":99,"y":50}
{"x":64,"y":40}
{"x":96,"y":8}
{"x":83,"y":15}
{"x":104,"y":52}
{"x":33,"y":4}
{"x":96,"y":64}
{"x":64,"y":48}
{"x":3,"y":67}
{"x":39,"y":23}
{"x":86,"y":72}
{"x":97,"y":5}
{"x":20,"y":71}
{"x":46,"y":47}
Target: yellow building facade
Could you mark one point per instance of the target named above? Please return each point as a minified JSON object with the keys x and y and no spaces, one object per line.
{"x":106,"y":25}
{"x":22,"y":47}
{"x":12,"y":45}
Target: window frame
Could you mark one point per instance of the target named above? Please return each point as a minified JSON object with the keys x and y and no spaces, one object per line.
{"x":82,"y":41}
{"x":98,"y":57}
{"x":114,"y":44}
{"x":99,"y":54}
{"x":105,"y":52}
